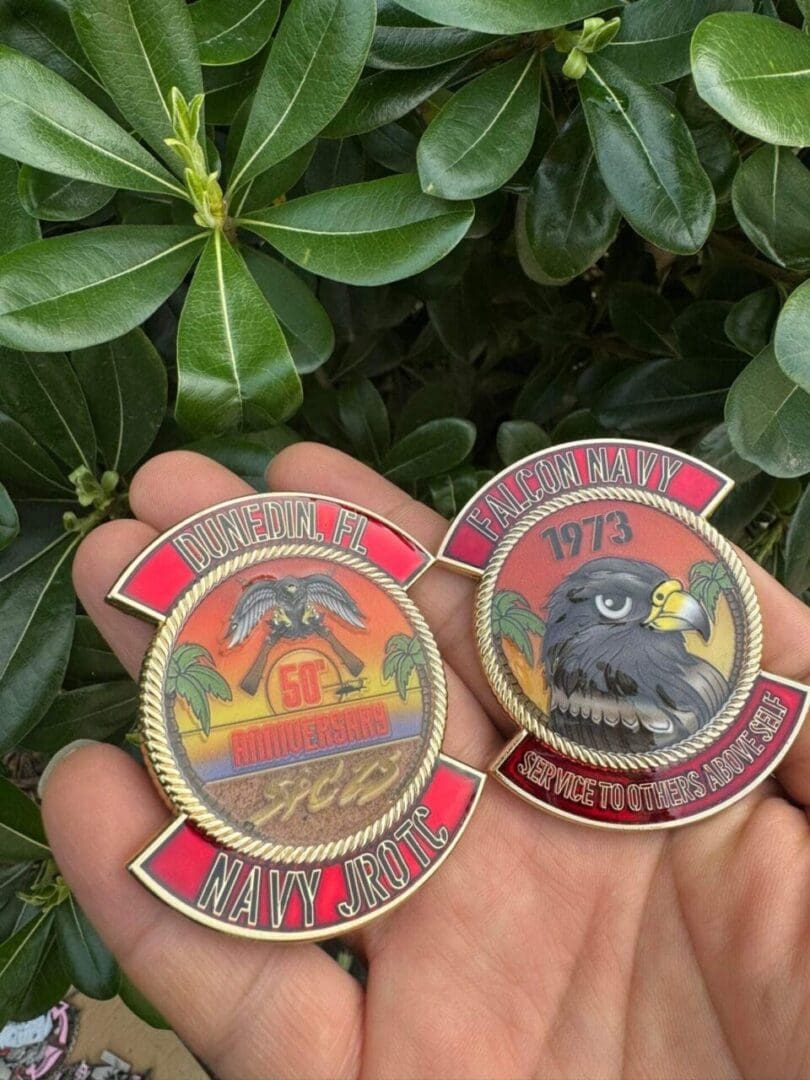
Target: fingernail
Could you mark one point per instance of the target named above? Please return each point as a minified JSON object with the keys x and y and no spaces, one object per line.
{"x":59,"y":756}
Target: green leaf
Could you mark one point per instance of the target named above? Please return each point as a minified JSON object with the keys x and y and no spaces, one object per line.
{"x":652,"y":44}
{"x":766,"y":414}
{"x":17,"y":227}
{"x":124,"y":382}
{"x":27,"y":468}
{"x":403,"y":47}
{"x":139,"y":1005}
{"x":792,"y":337}
{"x":82,"y":288}
{"x":364,"y":234}
{"x":642,"y":317}
{"x":648,"y":159}
{"x":20,"y":958}
{"x":504,"y":16}
{"x":365,"y":419}
{"x":22,"y":838}
{"x":433,"y":448}
{"x":516,"y":439}
{"x":750,"y":322}
{"x":37,"y":606}
{"x":664,"y":395}
{"x":14,"y":878}
{"x":247,"y":455}
{"x":142,"y":49}
{"x":87,"y":960}
{"x":234,"y":368}
{"x":797,"y":547}
{"x":50,"y":982}
{"x":484,"y":133}
{"x":275,"y":181}
{"x":58,"y":198}
{"x":306,"y":326}
{"x":230,"y":31}
{"x":41,"y":392}
{"x":771,"y":196}
{"x":49,"y":124}
{"x":9,"y":521}
{"x":388,"y":95}
{"x":88,"y":712}
{"x":91,"y":658}
{"x":700,"y":331}
{"x":569,"y":219}
{"x":228,"y":88}
{"x":315,"y":60}
{"x":755,"y":72}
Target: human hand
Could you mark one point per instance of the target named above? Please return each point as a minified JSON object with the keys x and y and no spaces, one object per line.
{"x":541,"y":948}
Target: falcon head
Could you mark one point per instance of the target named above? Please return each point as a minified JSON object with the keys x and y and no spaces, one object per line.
{"x":615,"y":657}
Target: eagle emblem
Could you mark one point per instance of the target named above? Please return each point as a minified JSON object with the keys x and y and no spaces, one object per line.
{"x":616,"y":659}
{"x":293,"y":608}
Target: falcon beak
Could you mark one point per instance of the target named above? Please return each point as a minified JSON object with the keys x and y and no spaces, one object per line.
{"x":673,"y":608}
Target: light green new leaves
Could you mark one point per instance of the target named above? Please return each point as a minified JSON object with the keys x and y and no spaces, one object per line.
{"x":365,"y":234}
{"x":648,"y":159}
{"x":49,"y":124}
{"x":124,"y":383}
{"x":771,"y":196}
{"x":504,"y":16}
{"x":86,"y":287}
{"x":792,"y":337}
{"x":17,"y":228}
{"x":235,"y":371}
{"x":570,"y":218}
{"x":755,"y":71}
{"x":141,"y":49}
{"x":230,"y":31}
{"x":315,"y":60}
{"x":766,"y":414}
{"x":484,"y":133}
{"x":22,"y":838}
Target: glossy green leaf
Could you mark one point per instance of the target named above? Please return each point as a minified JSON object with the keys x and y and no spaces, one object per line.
{"x":141,"y":49}
{"x":648,"y":159}
{"x":41,"y":392}
{"x":315,"y":60}
{"x":750,"y":322}
{"x":50,"y":125}
{"x":570,"y":218}
{"x":88,"y":961}
{"x":139,"y":1005}
{"x":365,"y":234}
{"x":26,"y":468}
{"x":504,"y":16}
{"x":307,"y":329}
{"x":9,"y":519}
{"x":248,"y":455}
{"x":388,"y":95}
{"x":662,"y":396}
{"x":642,"y":317}
{"x":50,"y":981}
{"x":700,"y":331}
{"x":652,"y":44}
{"x":755,"y":72}
{"x":771,"y":196}
{"x":22,"y":838}
{"x":86,"y":287}
{"x":230,"y":31}
{"x":58,"y":198}
{"x":402,"y":47}
{"x":364,"y":418}
{"x":17,"y":227}
{"x":14,"y":878}
{"x":20,"y":959}
{"x":433,"y":448}
{"x":275,"y":181}
{"x":797,"y":547}
{"x":124,"y":382}
{"x":766,"y":414}
{"x":715,"y":449}
{"x":792,"y":337}
{"x":393,"y":146}
{"x":230,"y":88}
{"x":484,"y":133}
{"x":87,"y":712}
{"x":235,"y":371}
{"x":37,"y":606}
{"x":517,"y":439}
{"x":91,"y":658}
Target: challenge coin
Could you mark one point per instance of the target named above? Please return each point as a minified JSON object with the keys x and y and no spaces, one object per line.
{"x":622,"y":633}
{"x":293,"y":705}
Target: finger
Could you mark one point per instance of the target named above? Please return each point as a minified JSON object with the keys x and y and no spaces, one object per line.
{"x":246,"y":1008}
{"x":445,"y":598}
{"x":172,"y":486}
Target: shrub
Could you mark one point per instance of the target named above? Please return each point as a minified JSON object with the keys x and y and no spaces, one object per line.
{"x":440,"y":247}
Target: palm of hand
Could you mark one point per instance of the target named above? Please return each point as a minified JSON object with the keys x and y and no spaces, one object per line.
{"x":541,"y":949}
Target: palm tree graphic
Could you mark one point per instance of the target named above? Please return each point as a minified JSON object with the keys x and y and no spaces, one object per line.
{"x":513,"y":618}
{"x":190,"y":678}
{"x":403,"y":656}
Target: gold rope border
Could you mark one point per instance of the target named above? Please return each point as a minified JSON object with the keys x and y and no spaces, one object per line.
{"x":164,"y":761}
{"x":512,"y":697}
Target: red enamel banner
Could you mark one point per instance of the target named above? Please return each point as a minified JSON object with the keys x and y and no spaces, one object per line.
{"x":221,"y":888}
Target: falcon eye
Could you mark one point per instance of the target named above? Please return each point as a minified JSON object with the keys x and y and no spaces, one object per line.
{"x":613,"y":605}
